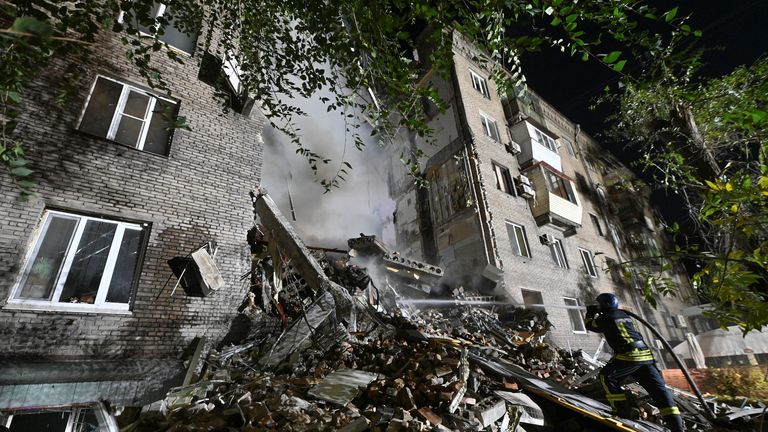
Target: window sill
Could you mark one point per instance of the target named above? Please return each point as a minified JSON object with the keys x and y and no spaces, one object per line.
{"x":64,"y":308}
{"x":579,"y":332}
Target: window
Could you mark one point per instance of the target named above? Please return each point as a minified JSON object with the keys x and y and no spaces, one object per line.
{"x":596,"y":225}
{"x":56,"y":420}
{"x":172,"y":34}
{"x":128,"y":115}
{"x":518,"y":239}
{"x":531,"y":298}
{"x":82,"y":262}
{"x":581,"y":182}
{"x":479,"y":84}
{"x":588,"y":261}
{"x":574,"y":313}
{"x":544,"y":140}
{"x":559,"y":186}
{"x":226,"y":78}
{"x":489,"y":126}
{"x":569,"y":147}
{"x":558,"y":253}
{"x":503,"y":178}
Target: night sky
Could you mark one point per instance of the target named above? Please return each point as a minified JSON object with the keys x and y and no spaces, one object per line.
{"x":736,"y":32}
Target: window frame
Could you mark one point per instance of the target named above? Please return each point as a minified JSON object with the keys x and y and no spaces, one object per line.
{"x":160,"y":12}
{"x":577,"y":313}
{"x":535,"y":292}
{"x":544,"y":139}
{"x":503,"y":176}
{"x":569,"y":147}
{"x":486,"y":121}
{"x":118,"y":114}
{"x":479,"y":84}
{"x":559,"y":184}
{"x":524,"y":252}
{"x":100,"y":305}
{"x":589,"y":262}
{"x":596,"y":224}
{"x":559,"y":258}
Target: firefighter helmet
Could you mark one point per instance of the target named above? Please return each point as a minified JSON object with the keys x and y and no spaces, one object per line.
{"x":608,"y":301}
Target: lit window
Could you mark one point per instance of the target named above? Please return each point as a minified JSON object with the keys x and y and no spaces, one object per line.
{"x":479,"y":84}
{"x":532,"y":299}
{"x":172,"y":34}
{"x":574,"y":313}
{"x":596,"y":224}
{"x":518,"y":240}
{"x":128,"y":115}
{"x":81,"y":261}
{"x":559,"y":186}
{"x":489,"y":126}
{"x":503,"y":178}
{"x":558,"y":253}
{"x":545,"y":140}
{"x":589,"y":262}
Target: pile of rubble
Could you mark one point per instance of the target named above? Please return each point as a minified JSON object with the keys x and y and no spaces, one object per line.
{"x":332,"y":349}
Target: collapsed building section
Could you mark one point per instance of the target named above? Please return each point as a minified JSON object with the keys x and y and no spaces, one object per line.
{"x":351,"y":362}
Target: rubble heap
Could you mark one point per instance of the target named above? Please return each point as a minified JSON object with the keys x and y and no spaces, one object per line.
{"x":330,"y":349}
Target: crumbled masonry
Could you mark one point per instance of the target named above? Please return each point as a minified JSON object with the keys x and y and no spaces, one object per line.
{"x":348,"y":356}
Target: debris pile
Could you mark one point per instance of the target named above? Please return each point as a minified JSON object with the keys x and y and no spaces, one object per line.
{"x":330,"y":349}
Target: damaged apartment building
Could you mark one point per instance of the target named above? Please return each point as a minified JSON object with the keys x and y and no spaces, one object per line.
{"x":89,"y":309}
{"x":525,"y":206}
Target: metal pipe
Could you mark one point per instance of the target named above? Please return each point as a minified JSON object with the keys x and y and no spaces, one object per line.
{"x":679,"y":362}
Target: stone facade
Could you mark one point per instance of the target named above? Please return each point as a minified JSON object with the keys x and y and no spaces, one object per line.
{"x":196,"y":194}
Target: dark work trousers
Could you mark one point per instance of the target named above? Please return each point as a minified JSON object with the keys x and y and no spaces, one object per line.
{"x":647,"y":375}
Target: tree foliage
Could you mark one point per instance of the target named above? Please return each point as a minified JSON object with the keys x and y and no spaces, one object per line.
{"x":289,"y":49}
{"x":706,"y":141}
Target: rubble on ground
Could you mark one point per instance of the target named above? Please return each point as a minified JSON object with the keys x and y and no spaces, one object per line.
{"x":332,"y":349}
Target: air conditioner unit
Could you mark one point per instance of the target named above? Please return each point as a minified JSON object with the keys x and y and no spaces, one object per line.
{"x":524,"y":188}
{"x":513,"y":148}
{"x":547,"y":239}
{"x":681,"y":321}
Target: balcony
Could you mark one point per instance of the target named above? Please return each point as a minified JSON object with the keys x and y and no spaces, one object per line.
{"x":555,"y":201}
{"x":536,"y":145}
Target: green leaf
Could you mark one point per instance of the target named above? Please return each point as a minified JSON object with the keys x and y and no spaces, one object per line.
{"x":619,"y":66}
{"x":697,"y":33}
{"x":18,"y":162}
{"x":14,"y":96}
{"x":670,"y":15}
{"x":26,"y":184}
{"x":31,"y":25}
{"x":555,"y":21}
{"x":571,"y":18}
{"x":21,"y":171}
{"x":612,"y":57}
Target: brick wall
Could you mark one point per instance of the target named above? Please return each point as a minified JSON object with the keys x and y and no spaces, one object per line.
{"x":196,"y":194}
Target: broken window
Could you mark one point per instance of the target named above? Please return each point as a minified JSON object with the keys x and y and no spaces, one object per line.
{"x":56,"y":420}
{"x":589,"y":262}
{"x":559,"y":186}
{"x":489,"y":126}
{"x":596,"y":224}
{"x":172,"y":33}
{"x":82,"y":260}
{"x":128,"y":115}
{"x":449,"y":190}
{"x":558,"y":253}
{"x":533,"y":299}
{"x":577,"y":321}
{"x":226,"y":77}
{"x":479,"y":84}
{"x":503,"y":178}
{"x":518,"y":239}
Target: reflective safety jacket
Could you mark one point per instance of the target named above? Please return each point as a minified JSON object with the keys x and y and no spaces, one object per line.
{"x":620,"y":333}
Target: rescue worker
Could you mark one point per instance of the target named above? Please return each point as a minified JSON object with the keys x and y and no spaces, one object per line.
{"x":631,"y":358}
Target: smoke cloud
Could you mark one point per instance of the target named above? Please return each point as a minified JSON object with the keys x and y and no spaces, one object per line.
{"x":360,"y":205}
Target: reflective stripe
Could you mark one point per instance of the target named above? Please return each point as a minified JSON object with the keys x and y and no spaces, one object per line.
{"x":621,"y":397}
{"x":607,"y":392}
{"x":636,"y":355}
{"x":673,"y":410}
{"x":623,"y":332}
